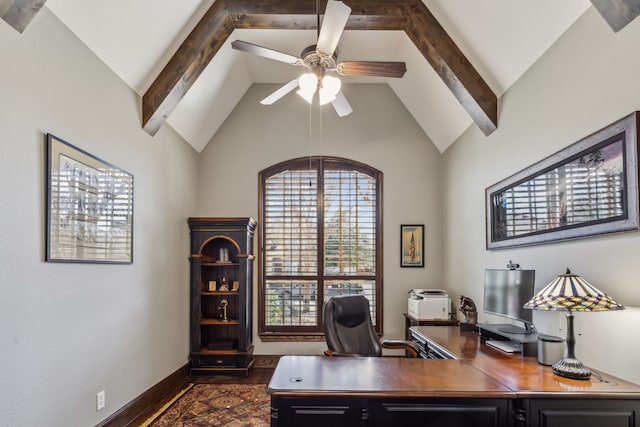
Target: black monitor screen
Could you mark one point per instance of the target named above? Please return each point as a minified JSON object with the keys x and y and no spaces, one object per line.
{"x":506,"y":291}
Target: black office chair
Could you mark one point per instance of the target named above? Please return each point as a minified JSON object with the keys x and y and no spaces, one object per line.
{"x":349,"y":331}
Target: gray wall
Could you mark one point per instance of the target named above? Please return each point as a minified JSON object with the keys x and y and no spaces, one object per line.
{"x":380,"y":132}
{"x":587,"y":80}
{"x":68,"y":331}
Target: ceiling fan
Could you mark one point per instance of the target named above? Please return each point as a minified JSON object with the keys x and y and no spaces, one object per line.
{"x":320,"y":60}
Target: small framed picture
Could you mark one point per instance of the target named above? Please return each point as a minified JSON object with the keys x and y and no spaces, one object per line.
{"x":212,"y":286}
{"x":236,"y":286}
{"x":412,"y":245}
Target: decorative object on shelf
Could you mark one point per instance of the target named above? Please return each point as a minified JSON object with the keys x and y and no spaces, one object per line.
{"x":586,"y":189}
{"x":89,"y":207}
{"x":224,"y":284}
{"x":468,"y":308}
{"x":224,"y":255}
{"x":212,"y":286}
{"x":236,"y":286}
{"x":412,"y":246}
{"x":570,"y":292}
{"x":223,"y":309}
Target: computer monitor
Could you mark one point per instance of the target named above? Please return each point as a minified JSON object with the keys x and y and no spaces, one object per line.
{"x":505,"y":292}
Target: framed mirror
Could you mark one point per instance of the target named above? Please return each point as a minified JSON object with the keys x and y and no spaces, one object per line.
{"x":586,"y":189}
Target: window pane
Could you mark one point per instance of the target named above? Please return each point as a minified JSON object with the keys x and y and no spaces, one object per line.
{"x":290,"y":303}
{"x":290,"y":221}
{"x":349,"y":223}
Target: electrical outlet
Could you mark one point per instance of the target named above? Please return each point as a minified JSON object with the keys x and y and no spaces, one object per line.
{"x":100,"y":400}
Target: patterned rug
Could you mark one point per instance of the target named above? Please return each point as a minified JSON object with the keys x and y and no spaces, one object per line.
{"x":229,"y":405}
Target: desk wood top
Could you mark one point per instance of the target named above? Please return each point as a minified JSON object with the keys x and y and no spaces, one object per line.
{"x":523,"y":375}
{"x":381,"y":377}
{"x":480,"y":372}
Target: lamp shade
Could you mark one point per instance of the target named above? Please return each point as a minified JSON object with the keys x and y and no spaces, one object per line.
{"x":570,"y":292}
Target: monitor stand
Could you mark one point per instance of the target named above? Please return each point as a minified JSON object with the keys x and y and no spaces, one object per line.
{"x":512,"y":329}
{"x":529,"y":341}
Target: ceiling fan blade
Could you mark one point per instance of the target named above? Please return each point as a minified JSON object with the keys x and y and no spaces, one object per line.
{"x":266,"y":52}
{"x":341,"y":105}
{"x":372,"y":68}
{"x":280,"y":92}
{"x":336,"y":16}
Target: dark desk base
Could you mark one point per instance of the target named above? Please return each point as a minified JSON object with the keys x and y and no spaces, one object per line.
{"x":393,"y":412}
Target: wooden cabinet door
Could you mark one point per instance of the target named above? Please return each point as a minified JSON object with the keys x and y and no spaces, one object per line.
{"x":317,"y":412}
{"x":582,"y":413}
{"x":442,"y":412}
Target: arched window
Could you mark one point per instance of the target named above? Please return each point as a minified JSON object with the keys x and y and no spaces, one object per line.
{"x":320,"y":235}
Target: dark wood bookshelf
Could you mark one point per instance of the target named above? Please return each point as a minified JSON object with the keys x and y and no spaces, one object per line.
{"x":221,"y":252}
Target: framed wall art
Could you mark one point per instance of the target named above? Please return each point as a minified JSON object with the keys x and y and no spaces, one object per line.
{"x":412,"y":246}
{"x":89,"y":207}
{"x":587,"y":189}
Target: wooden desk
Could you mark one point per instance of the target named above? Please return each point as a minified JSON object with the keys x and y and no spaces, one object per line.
{"x":542,"y":398}
{"x":482,"y":388}
{"x":523,"y":375}
{"x":379,"y":391}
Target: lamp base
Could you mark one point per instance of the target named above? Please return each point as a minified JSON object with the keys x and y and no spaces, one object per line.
{"x":571,"y":368}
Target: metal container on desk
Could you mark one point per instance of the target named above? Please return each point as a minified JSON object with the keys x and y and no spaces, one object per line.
{"x":550,"y":349}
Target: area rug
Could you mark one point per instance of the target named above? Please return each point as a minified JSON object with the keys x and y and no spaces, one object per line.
{"x":229,"y":405}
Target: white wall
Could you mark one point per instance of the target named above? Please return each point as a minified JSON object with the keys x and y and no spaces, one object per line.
{"x":68,"y":331}
{"x":586,"y":81}
{"x":379,"y":132}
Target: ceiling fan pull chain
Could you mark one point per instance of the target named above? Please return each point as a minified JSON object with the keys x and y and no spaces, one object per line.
{"x":310,"y":145}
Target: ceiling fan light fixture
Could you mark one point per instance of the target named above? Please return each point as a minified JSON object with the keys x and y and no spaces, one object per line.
{"x":329,"y":89}
{"x":321,"y":58}
{"x":307,"y":96}
{"x":308,"y":83}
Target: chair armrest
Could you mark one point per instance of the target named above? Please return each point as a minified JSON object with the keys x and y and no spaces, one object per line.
{"x":408,"y":346}
{"x":332,"y":353}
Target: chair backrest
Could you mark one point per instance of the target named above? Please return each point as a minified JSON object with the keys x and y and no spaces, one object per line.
{"x":348,"y":328}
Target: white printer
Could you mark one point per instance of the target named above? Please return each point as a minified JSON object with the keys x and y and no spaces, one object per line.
{"x":429,"y":304}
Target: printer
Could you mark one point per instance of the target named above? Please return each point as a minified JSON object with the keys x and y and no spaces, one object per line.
{"x":429,"y":304}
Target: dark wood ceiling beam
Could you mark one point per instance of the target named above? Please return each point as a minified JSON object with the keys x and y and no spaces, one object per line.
{"x":617,"y":13}
{"x":453,"y":67}
{"x":186,"y":65}
{"x":301,"y":15}
{"x":19,"y":13}
{"x":224,"y":16}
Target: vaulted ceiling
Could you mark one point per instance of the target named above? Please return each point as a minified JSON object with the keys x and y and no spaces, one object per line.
{"x":461,"y":55}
